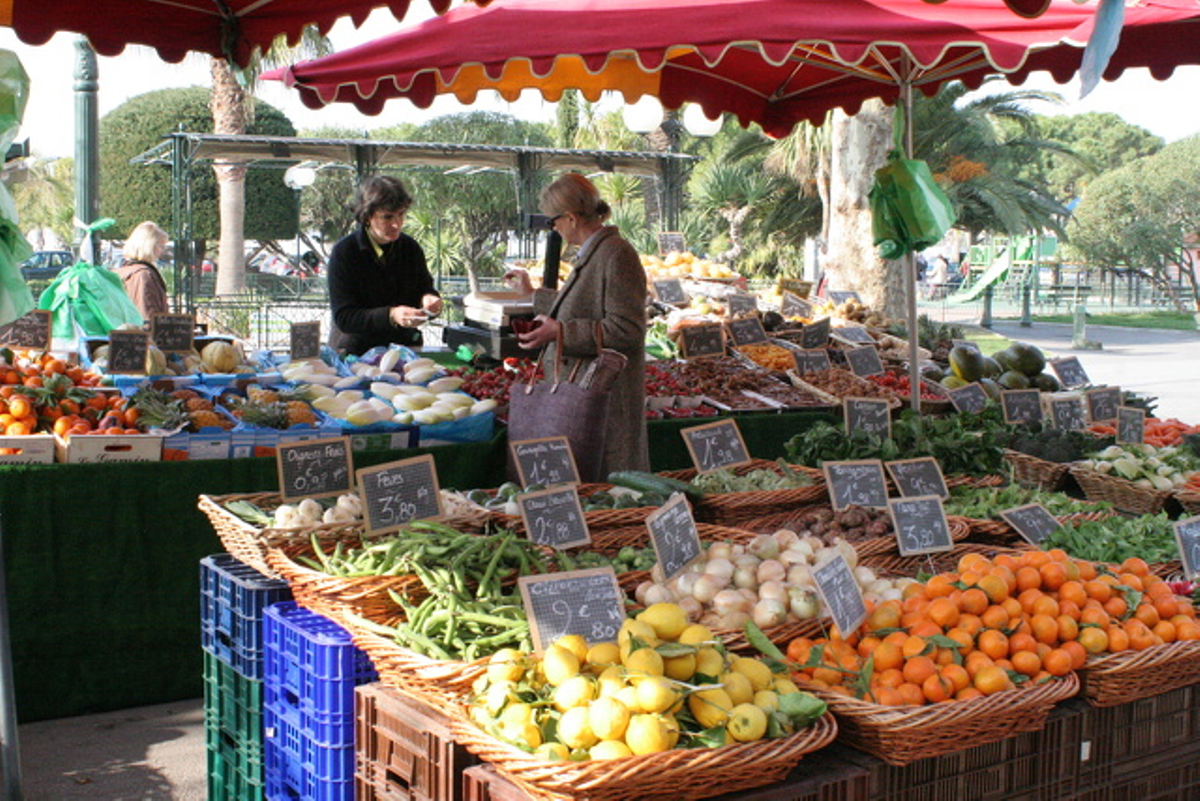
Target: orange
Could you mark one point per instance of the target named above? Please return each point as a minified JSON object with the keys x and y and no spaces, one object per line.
{"x":1078,"y":653}
{"x":918,"y":668}
{"x":1013,"y":607}
{"x":1027,"y":662}
{"x":925,"y":628}
{"x":1093,"y":639}
{"x":1095,"y":616}
{"x":1132,"y":582}
{"x":976,"y":661}
{"x":1148,"y":614}
{"x":969,"y":560}
{"x":974,"y":601}
{"x":892,"y":677}
{"x":867,"y":646}
{"x":19,"y":406}
{"x":896,"y":637}
{"x":887,"y":696}
{"x":939,"y":586}
{"x":887,"y":655}
{"x":943,"y":612}
{"x":1028,"y":578}
{"x":1098,"y":589}
{"x":970,"y":623}
{"x":1068,"y":628}
{"x":1136,"y":566}
{"x":996,"y":617}
{"x":992,"y":680}
{"x":1053,"y":576}
{"x":1022,"y":641}
{"x":1045,"y":605}
{"x":884,"y":616}
{"x":1072,"y":591}
{"x":1116,"y":606}
{"x":1005,"y":561}
{"x":914,"y":646}
{"x":828,"y":676}
{"x":1118,"y":639}
{"x":1058,"y":555}
{"x":1035,"y":558}
{"x":1157,"y":589}
{"x":937,"y":689}
{"x":957,"y":675}
{"x":1008,"y":577}
{"x":1058,"y":662}
{"x":1044,"y":629}
{"x":945,"y":656}
{"x":1187,"y":630}
{"x":911,"y":694}
{"x":1087,"y":571}
{"x":1166,"y":630}
{"x":964,"y":638}
{"x":1027,"y":599}
{"x":993,"y":643}
{"x":1167,"y":606}
{"x":967,"y":693}
{"x":798,"y":650}
{"x":1070,"y":609}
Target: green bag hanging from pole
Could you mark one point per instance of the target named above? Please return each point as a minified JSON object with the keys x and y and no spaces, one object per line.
{"x":15,"y":297}
{"x":88,"y":300}
{"x":909,"y":210}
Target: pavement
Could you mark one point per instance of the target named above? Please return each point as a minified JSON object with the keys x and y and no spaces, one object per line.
{"x":158,"y":752}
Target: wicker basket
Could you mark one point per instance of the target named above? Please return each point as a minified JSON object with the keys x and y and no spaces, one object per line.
{"x":886,"y":546}
{"x":597,"y":519}
{"x":1124,"y":495}
{"x":1190,"y":501}
{"x":943,"y":562}
{"x":1034,"y":473}
{"x":975,"y":481}
{"x":678,"y":774}
{"x":904,"y":734}
{"x":442,"y":684}
{"x":730,"y":508}
{"x":611,"y":541}
{"x":998,"y":532}
{"x":1129,"y":675}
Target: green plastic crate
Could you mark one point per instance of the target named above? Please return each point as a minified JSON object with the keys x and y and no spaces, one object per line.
{"x":233,"y":717}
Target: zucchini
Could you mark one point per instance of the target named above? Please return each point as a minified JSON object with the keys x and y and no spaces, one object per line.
{"x":653,"y":483}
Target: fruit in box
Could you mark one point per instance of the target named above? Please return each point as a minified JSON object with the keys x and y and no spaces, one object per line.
{"x":684,"y":265}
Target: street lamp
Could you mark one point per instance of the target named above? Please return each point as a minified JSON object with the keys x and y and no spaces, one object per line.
{"x":298,"y":178}
{"x":645,"y":117}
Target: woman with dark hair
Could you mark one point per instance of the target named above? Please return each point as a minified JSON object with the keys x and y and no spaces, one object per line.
{"x":380,"y":289}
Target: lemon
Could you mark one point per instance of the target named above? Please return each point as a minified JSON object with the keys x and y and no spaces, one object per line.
{"x":602,"y":655}
{"x":767,"y":700}
{"x":761,"y":677}
{"x":709,"y":662}
{"x":608,"y":718}
{"x":696,"y":634}
{"x":680,"y":668}
{"x":573,"y":692}
{"x":642,"y":663}
{"x":747,"y":723}
{"x":710,"y":707}
{"x":667,"y":620}
{"x":553,"y":752}
{"x":507,"y":664}
{"x":483,"y":719}
{"x":648,"y":734}
{"x":610,"y":682}
{"x":785,"y":686}
{"x":635,"y":630}
{"x":609,"y":749}
{"x":559,"y":664}
{"x":656,"y":694}
{"x":514,"y":714}
{"x":575,"y":728}
{"x":628,"y":696}
{"x":576,"y":644}
{"x":740,"y":690}
{"x":497,"y":697}
{"x":522,"y":734}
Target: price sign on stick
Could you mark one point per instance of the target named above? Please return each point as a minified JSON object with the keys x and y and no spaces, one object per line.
{"x":920,"y":525}
{"x":173,"y":333}
{"x":1187,"y":536}
{"x":856,"y":483}
{"x":707,"y":339}
{"x":746,"y":331}
{"x":31,"y":331}
{"x":812,"y":361}
{"x":584,"y":602}
{"x":670,"y":241}
{"x":1021,"y":405}
{"x":865,"y":361}
{"x":840,"y":593}
{"x":917,"y":477}
{"x":545,"y":461}
{"x":1070,"y":372}
{"x":554,"y":517}
{"x":971,"y":399}
{"x":872,"y":415}
{"x":399,"y":492}
{"x":315,"y":468}
{"x":741,"y":304}
{"x":716,"y":445}
{"x":853,"y":335}
{"x":1103,"y":403}
{"x":1067,"y":414}
{"x":127,"y":352}
{"x":815,"y":335}
{"x":797,"y":286}
{"x":1033,"y":522}
{"x":670,"y":291}
{"x":1131,"y":425}
{"x":306,"y":340}
{"x":673,"y":533}
{"x":841,"y":296}
{"x":793,"y":305}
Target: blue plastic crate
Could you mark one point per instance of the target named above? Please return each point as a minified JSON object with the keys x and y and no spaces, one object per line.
{"x":310,"y":671}
{"x":227,"y":783}
{"x":233,"y":597}
{"x":233,"y":717}
{"x":297,"y":767}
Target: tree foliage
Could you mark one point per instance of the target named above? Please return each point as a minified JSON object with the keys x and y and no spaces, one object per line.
{"x":131,"y":193}
{"x":1100,"y":142}
{"x":46,"y":198}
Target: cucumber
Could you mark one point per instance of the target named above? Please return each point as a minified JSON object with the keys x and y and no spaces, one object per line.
{"x":652,"y":483}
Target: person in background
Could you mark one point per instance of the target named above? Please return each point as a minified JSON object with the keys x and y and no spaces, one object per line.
{"x":139,"y":271}
{"x":607,"y":286}
{"x":380,"y":289}
{"x":936,"y":278}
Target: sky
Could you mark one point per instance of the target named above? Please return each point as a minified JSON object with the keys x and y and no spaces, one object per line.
{"x":1164,"y":108}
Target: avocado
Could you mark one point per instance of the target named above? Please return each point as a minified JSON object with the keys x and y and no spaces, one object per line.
{"x":1045,"y":382}
{"x":1013,"y":380}
{"x":991,"y":388}
{"x":966,"y":363}
{"x":1027,"y":359}
{"x":932,"y":372}
{"x":953,"y":382}
{"x":1004,"y":359}
{"x":991,"y":367}
{"x":772,"y":320}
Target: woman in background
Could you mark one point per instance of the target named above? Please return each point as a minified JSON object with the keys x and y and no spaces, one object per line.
{"x":139,"y":269}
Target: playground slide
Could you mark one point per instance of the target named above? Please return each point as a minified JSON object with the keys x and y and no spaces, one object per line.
{"x":989,"y":276}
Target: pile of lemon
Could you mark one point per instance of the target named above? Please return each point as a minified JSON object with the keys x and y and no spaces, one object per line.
{"x":665,"y":683}
{"x":685,"y":264}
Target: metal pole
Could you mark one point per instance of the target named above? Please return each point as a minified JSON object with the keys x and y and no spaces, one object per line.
{"x":1026,"y":318}
{"x":10,"y":748}
{"x":910,"y":263}
{"x":985,"y":320}
{"x":87,"y":161}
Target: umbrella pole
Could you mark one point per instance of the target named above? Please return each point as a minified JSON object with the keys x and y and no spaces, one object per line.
{"x":910,"y":262}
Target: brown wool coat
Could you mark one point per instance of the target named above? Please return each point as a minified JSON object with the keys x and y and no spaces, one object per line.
{"x":608,"y":286}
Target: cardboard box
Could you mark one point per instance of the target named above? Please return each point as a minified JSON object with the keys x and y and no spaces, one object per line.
{"x":30,"y":449}
{"x":96,"y":448}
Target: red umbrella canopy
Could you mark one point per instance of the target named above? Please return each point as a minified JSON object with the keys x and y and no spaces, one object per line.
{"x":774,"y":62}
{"x":229,"y":28}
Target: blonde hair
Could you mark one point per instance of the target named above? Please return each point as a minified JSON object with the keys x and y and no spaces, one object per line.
{"x":573,"y":193}
{"x":143,"y":242}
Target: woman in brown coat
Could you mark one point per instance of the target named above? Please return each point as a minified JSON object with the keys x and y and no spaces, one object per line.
{"x":607,"y":285}
{"x":143,"y":283}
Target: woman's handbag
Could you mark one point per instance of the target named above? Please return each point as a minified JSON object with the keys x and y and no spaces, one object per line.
{"x":577,"y":411}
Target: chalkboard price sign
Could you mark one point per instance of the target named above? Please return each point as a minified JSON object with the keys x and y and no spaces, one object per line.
{"x":173,"y":333}
{"x":1067,"y":414}
{"x":306,"y":340}
{"x":127,"y":352}
{"x":841,"y":296}
{"x":917,"y":477}
{"x":795,"y":306}
{"x":30,"y":331}
{"x":797,"y":286}
{"x":554,"y":517}
{"x":853,"y":335}
{"x":1103,"y":403}
{"x":920,"y":525}
{"x":1187,"y":536}
{"x":1021,"y":405}
{"x":815,"y":335}
{"x":1131,"y":425}
{"x":872,"y":415}
{"x":840,"y":593}
{"x":706,"y":339}
{"x":811,"y":361}
{"x":864,"y":361}
{"x":1033,"y":522}
{"x":674,"y":536}
{"x":399,"y":492}
{"x":856,"y":483}
{"x":584,"y":602}
{"x":740,"y":304}
{"x":1070,"y":372}
{"x":971,"y":399}
{"x":746,"y":331}
{"x":670,"y":291}
{"x":545,"y":461}
{"x":716,"y":445}
{"x":669,"y":241}
{"x":315,"y":468}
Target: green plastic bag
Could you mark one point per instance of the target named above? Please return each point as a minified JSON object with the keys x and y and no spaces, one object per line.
{"x":909,"y":210}
{"x":15,"y":297}
{"x":88,"y":300}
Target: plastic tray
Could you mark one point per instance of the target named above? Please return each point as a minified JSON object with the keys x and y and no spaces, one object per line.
{"x":233,"y":717}
{"x":298,"y":767}
{"x":233,"y":597}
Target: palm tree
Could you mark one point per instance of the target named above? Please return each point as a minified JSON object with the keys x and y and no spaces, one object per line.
{"x":734,"y":190}
{"x":46,"y":198}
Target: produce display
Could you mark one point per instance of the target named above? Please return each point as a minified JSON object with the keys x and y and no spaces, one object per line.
{"x":1055,"y":444}
{"x":725,"y":380}
{"x":181,"y":409}
{"x":1019,"y":366}
{"x":900,"y":384}
{"x":267,"y":408}
{"x":1164,"y":468}
{"x":985,"y":503}
{"x":684,"y":264}
{"x":41,"y":394}
{"x":845,"y":384}
{"x":1148,"y":537}
{"x":1160,"y":433}
{"x":726,"y":480}
{"x":771,"y":357}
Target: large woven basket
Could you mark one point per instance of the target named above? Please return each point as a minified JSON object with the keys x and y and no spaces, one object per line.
{"x":442,"y":684}
{"x":678,"y":774}
{"x":902,"y":734}
{"x":597,"y":519}
{"x":1190,"y":501}
{"x":1000,"y":533}
{"x":1124,"y":495}
{"x":1034,"y":473}
{"x":730,"y":508}
{"x":1129,"y":675}
{"x":943,"y":562}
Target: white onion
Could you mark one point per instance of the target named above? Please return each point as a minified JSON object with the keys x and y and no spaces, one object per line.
{"x":750,"y":595}
{"x":802,"y":603}
{"x":745,"y":577}
{"x":864,"y":575}
{"x":719,"y":567}
{"x":815,"y":543}
{"x":848,"y":553}
{"x":800,"y":576}
{"x":893,"y":594}
{"x":786,"y":537}
{"x":771,"y":570}
{"x":693,"y":607}
{"x":640,"y":592}
{"x":727,"y":601}
{"x":802,"y":546}
{"x":878,"y":587}
{"x":685,"y":581}
{"x":764,"y":546}
{"x":793,"y":557}
{"x":737,"y":550}
{"x":769,"y":613}
{"x":659,"y":594}
{"x":705,"y":588}
{"x":735,"y":621}
{"x":746,"y":560}
{"x":720,"y":550}
{"x":773,"y":590}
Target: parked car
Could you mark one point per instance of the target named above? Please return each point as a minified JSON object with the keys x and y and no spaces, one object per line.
{"x":45,"y":265}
